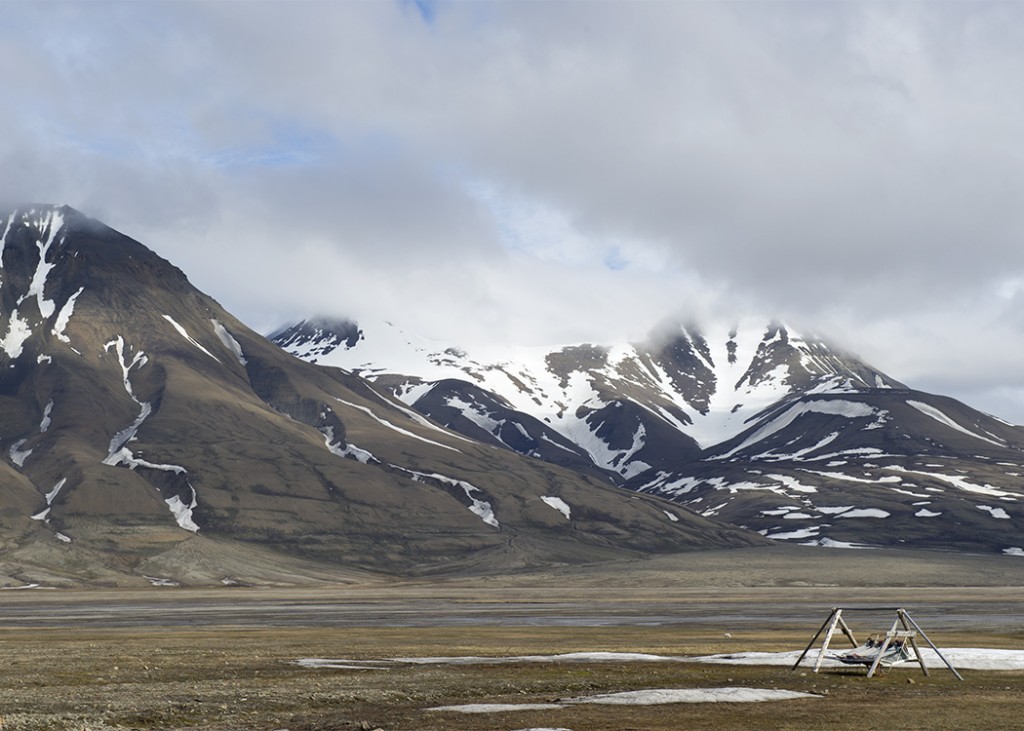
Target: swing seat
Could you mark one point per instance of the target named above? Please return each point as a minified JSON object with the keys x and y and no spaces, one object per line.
{"x":896,"y":653}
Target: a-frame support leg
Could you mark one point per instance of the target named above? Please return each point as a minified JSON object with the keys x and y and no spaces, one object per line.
{"x":913,"y":640}
{"x":834,"y":620}
{"x":829,"y":621}
{"x":932,"y":645}
{"x":885,"y":646}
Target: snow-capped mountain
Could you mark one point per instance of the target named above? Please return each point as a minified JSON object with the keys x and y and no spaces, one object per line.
{"x":146,"y":429}
{"x":756,"y":425}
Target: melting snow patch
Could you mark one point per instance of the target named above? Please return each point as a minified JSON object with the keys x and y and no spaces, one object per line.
{"x":962,"y":658}
{"x":864,"y":513}
{"x":312,"y":662}
{"x":830,"y":543}
{"x":1014,"y":551}
{"x":946,"y":421}
{"x":482,"y":508}
{"x":558,"y":504}
{"x":182,"y":512}
{"x":796,"y":534}
{"x":17,"y":333}
{"x":497,"y":707}
{"x":229,"y":342}
{"x":692,"y":695}
{"x":18,"y":456}
{"x":994,"y":512}
{"x":159,"y":581}
{"x":671,"y":516}
{"x":655,"y":696}
{"x":184,"y":334}
{"x":64,"y":317}
{"x":44,"y":424}
{"x":391,"y":426}
{"x":924,"y":513}
{"x":833,"y":407}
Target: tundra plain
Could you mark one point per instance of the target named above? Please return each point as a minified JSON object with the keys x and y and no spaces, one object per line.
{"x":228,"y":657}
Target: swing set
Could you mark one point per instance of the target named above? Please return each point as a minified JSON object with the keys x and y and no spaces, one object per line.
{"x":898,"y":645}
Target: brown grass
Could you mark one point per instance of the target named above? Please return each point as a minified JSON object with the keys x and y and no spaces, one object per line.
{"x":223,"y":678}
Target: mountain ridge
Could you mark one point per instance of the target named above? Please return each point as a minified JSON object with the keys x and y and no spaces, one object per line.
{"x":137,"y":414}
{"x":759,"y":426}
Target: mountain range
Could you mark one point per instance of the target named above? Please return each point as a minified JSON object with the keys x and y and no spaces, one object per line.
{"x":756,"y":425}
{"x":149,"y":435}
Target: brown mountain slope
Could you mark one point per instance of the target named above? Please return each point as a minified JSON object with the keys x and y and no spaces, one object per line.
{"x":135,"y":414}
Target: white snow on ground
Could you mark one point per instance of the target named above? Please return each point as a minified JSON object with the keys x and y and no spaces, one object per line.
{"x":925,"y":513}
{"x":570,"y":657}
{"x":523,"y":378}
{"x":851,"y":478}
{"x":962,"y":658}
{"x":17,"y":333}
{"x":864,"y":513}
{"x":38,"y":283}
{"x":497,"y":707}
{"x":475,"y":413}
{"x":692,"y":695}
{"x":229,"y":341}
{"x":559,"y":504}
{"x":671,"y":516}
{"x":1014,"y":551}
{"x":796,"y":534}
{"x":940,"y":417}
{"x":64,"y":317}
{"x":994,"y":512}
{"x":184,"y":334}
{"x":792,"y":483}
{"x":830,"y":543}
{"x":44,"y":515}
{"x":120,"y":454}
{"x":957,"y":481}
{"x":350,"y":450}
{"x":44,"y":423}
{"x":182,"y":512}
{"x":7,"y":230}
{"x":391,"y":426}
{"x":652,"y":697}
{"x":480,"y":507}
{"x":18,"y":456}
{"x":833,"y":407}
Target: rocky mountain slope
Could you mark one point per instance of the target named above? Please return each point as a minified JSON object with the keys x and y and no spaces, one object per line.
{"x":146,"y":430}
{"x":755,"y":425}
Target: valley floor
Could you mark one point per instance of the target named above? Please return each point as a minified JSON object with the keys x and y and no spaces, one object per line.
{"x":173,"y":658}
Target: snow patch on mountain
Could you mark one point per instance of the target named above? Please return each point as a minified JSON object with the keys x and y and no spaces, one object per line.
{"x":18,"y":331}
{"x":389,"y":425}
{"x":943,"y":419}
{"x":182,"y":512}
{"x":229,"y":342}
{"x":831,"y":407}
{"x":479,"y":507}
{"x":52,"y":221}
{"x":64,"y":317}
{"x":559,"y":504}
{"x":184,"y":334}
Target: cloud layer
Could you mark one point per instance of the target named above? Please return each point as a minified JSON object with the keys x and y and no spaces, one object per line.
{"x":554,"y":171}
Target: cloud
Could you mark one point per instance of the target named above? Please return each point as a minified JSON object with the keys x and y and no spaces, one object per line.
{"x":553,"y":170}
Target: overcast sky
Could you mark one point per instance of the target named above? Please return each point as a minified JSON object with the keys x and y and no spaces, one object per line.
{"x":555,"y":172}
